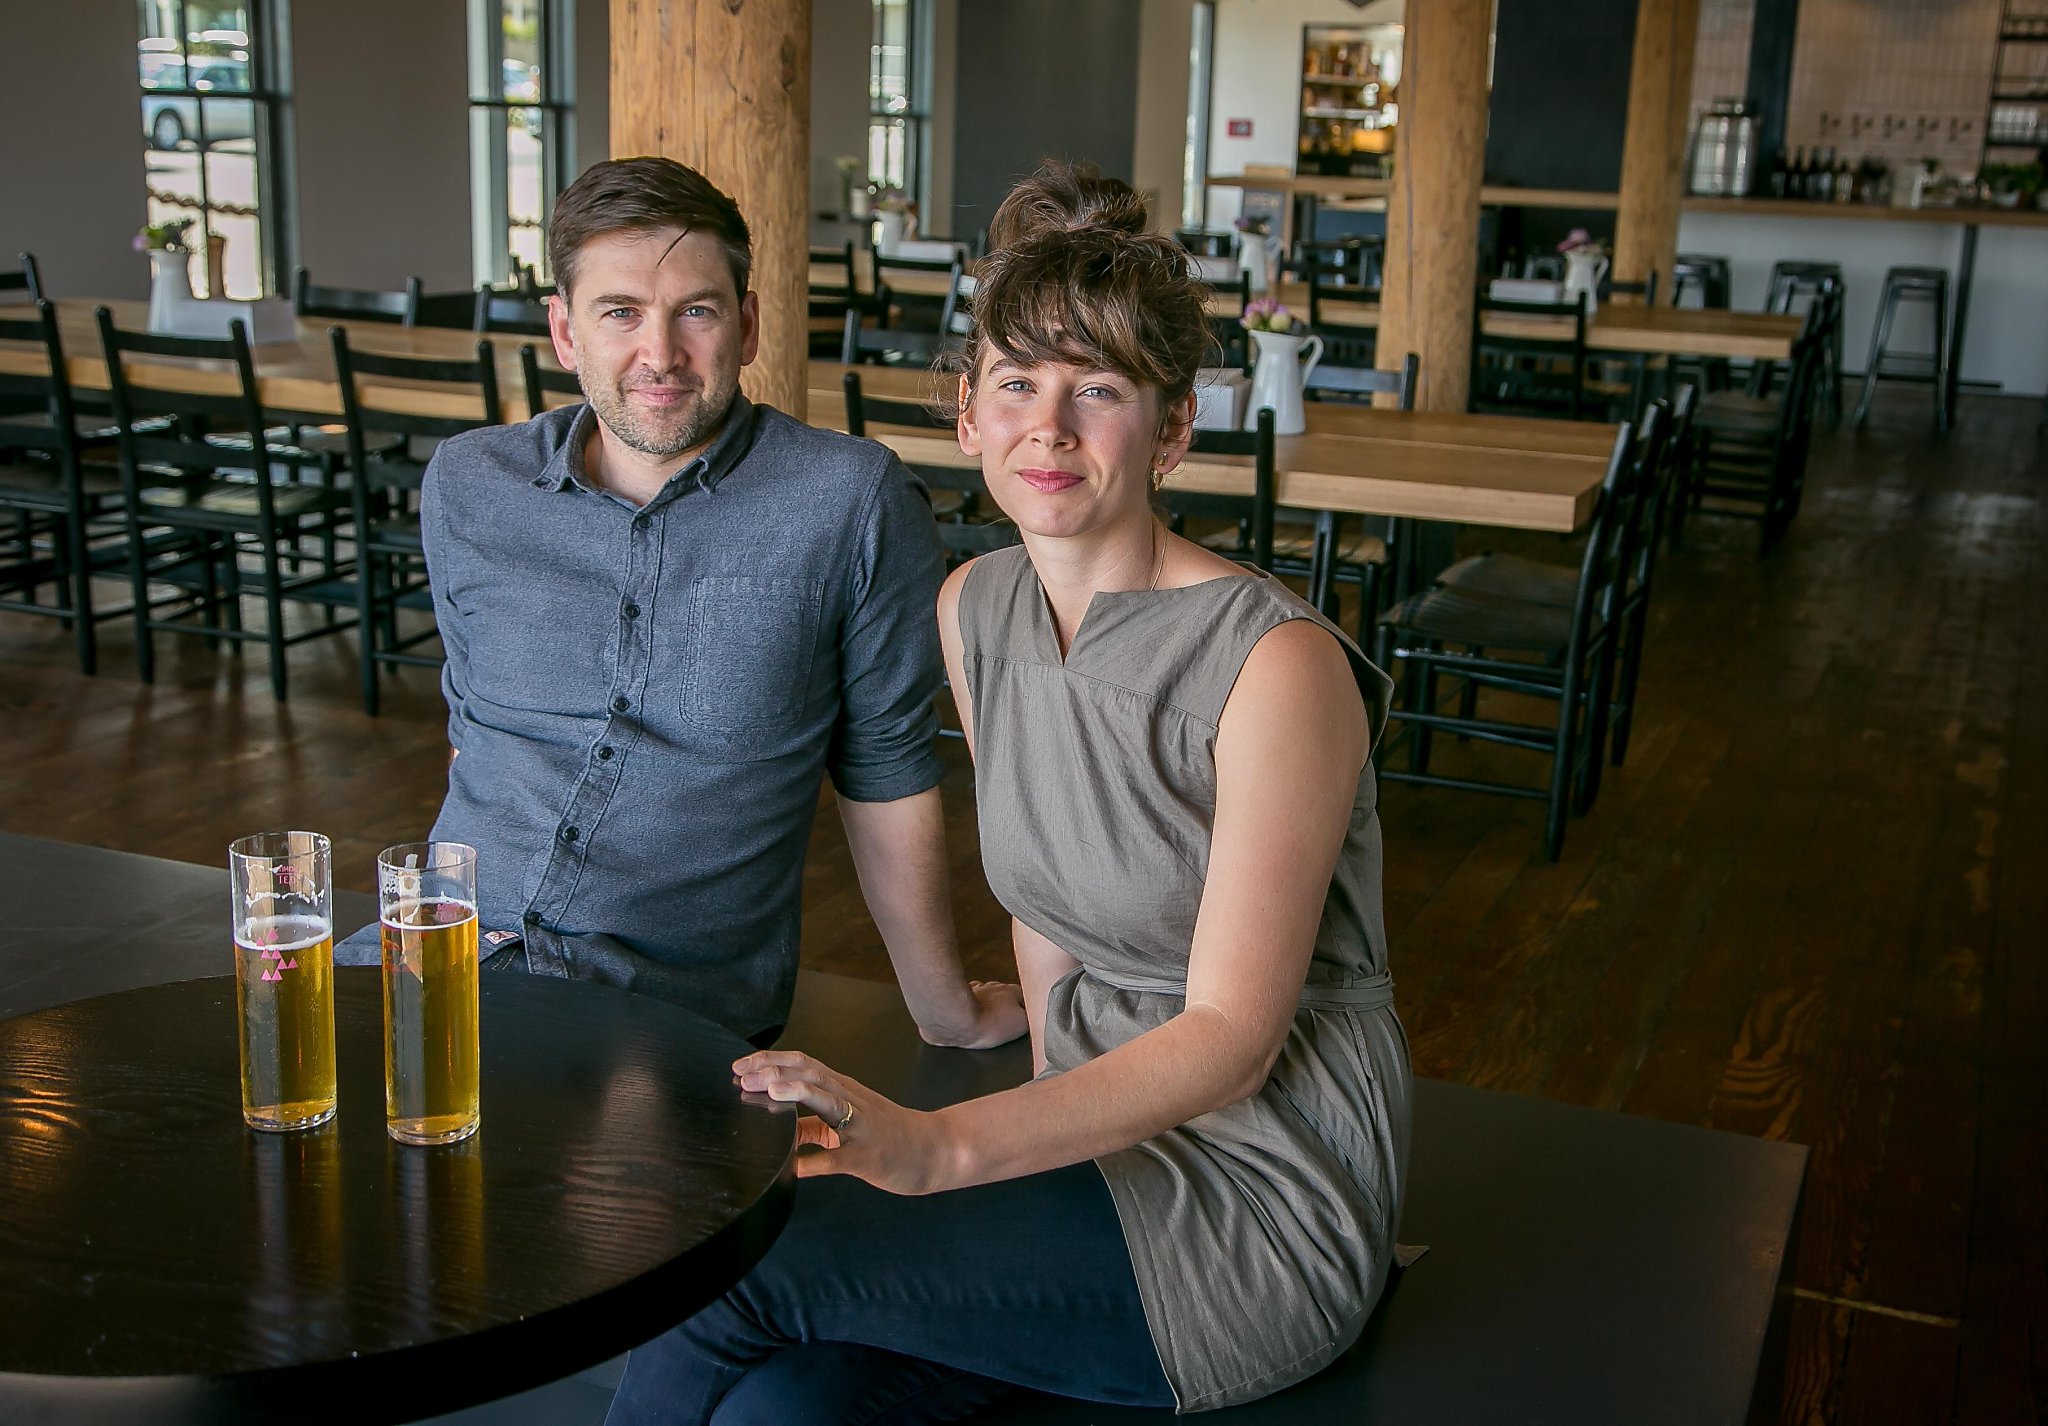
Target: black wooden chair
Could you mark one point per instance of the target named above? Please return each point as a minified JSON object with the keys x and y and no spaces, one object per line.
{"x":515,"y":312}
{"x":1564,"y":655}
{"x":1795,"y":286}
{"x":1227,"y":328}
{"x":391,"y":571}
{"x":1534,"y":367}
{"x":969,"y":523}
{"x":891,"y":346}
{"x":27,"y":280}
{"x":62,"y":509}
{"x":453,"y":310}
{"x":1751,"y":452}
{"x":834,"y":291}
{"x":1539,"y":582}
{"x":1250,"y":515}
{"x":544,"y":383}
{"x":355,"y":304}
{"x":212,"y":476}
{"x":913,"y":311}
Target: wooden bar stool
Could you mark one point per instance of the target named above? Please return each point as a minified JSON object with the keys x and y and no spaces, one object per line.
{"x":1910,"y":284}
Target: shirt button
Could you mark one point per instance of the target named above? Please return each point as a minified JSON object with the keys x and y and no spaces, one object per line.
{"x":641,"y":522}
{"x":531,"y":918}
{"x":570,"y":834}
{"x":604,"y":754}
{"x":631,"y":611}
{"x":620,"y":705}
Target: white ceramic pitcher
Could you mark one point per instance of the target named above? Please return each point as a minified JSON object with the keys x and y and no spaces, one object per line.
{"x":1584,"y":270}
{"x":1278,"y":373}
{"x":170,"y":278}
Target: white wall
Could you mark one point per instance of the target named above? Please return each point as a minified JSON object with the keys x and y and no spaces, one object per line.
{"x":2006,"y":338}
{"x":1165,"y":30}
{"x":71,"y":165}
{"x":1256,"y":75}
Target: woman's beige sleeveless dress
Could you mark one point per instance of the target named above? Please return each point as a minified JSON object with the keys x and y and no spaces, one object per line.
{"x":1261,"y":1234}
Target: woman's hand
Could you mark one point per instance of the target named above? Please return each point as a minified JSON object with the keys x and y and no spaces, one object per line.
{"x":852,"y":1129}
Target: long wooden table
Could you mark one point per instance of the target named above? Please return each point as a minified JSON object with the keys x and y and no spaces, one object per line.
{"x":1487,"y":470}
{"x":1637,"y":330}
{"x":1509,"y":471}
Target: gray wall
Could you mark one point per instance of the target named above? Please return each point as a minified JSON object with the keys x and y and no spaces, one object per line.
{"x":71,"y":176}
{"x":383,"y":142}
{"x":1039,"y":78}
{"x":841,"y":32}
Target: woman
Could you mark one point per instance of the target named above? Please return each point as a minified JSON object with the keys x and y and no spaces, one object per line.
{"x":1193,"y":1204}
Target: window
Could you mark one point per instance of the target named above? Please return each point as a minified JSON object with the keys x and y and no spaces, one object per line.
{"x":897,"y":111}
{"x":520,"y":66}
{"x":210,"y":111}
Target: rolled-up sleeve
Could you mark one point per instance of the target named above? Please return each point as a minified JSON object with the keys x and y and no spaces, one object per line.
{"x":889,"y":661}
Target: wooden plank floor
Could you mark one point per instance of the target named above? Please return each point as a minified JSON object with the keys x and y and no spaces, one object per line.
{"x":1814,"y":905}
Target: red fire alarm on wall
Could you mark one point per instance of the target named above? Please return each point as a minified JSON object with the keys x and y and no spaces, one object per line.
{"x":1240,"y":128}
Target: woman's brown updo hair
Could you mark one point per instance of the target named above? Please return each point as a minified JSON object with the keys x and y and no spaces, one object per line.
{"x":1074,"y":276}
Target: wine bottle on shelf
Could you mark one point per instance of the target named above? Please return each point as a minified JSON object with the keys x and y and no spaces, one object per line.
{"x":1824,"y":176}
{"x":1801,"y":173}
{"x":1779,"y":174}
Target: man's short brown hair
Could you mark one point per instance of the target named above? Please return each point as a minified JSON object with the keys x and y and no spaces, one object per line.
{"x":645,"y":195}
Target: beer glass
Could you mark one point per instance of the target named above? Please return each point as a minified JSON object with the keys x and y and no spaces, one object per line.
{"x":284,"y":978}
{"x":426,"y":902}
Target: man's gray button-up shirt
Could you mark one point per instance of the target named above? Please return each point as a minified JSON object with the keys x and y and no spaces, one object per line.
{"x":644,"y":701}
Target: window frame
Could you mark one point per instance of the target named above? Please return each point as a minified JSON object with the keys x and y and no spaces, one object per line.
{"x":915,"y":116}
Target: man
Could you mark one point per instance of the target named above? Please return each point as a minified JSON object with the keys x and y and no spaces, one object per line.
{"x":668,"y":614}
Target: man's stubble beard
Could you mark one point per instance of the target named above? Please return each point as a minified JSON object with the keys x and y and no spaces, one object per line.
{"x":692,"y":425}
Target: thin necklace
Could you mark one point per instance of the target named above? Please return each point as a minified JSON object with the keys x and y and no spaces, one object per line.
{"x":1158,"y":558}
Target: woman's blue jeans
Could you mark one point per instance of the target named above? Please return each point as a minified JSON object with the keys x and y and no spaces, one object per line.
{"x":874,"y":1308}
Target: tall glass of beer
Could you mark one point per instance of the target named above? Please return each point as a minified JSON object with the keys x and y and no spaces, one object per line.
{"x":426,"y":899}
{"x":284,"y":977}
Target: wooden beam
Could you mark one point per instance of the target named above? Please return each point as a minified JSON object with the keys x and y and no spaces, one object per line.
{"x":1653,"y":149}
{"x":725,"y":87}
{"x":1432,"y":264}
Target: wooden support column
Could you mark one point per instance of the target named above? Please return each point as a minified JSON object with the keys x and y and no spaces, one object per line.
{"x":1432,"y":262}
{"x":725,"y":87}
{"x":1653,"y":148}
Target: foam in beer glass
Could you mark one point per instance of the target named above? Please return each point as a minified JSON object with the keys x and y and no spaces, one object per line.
{"x":284,"y":978}
{"x":426,"y":901}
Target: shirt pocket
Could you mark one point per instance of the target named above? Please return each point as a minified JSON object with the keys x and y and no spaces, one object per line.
{"x":747,"y":653}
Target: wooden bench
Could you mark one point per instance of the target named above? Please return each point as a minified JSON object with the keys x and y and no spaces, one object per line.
{"x":1583,"y":1267}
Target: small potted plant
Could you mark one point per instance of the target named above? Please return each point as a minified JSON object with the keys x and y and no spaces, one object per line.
{"x":1585,"y":266}
{"x":170,"y":267}
{"x":1287,"y":353}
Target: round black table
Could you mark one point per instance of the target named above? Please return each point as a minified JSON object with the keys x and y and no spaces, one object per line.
{"x":161,"y":1262}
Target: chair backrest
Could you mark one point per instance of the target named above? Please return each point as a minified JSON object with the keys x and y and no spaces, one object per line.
{"x":510,"y":312}
{"x":1626,"y":530}
{"x":958,"y":318}
{"x":1362,"y":381}
{"x":1667,"y":485}
{"x":454,"y":310}
{"x":36,"y":411}
{"x":1541,"y":362}
{"x":1602,"y":563}
{"x":466,"y":398}
{"x":1704,"y":274}
{"x":833,"y":286}
{"x":1793,"y":281}
{"x":1646,"y":289}
{"x":1548,"y":267}
{"x":962,"y":540}
{"x":914,"y":309}
{"x":356,"y":304}
{"x":28,"y":280}
{"x":200,"y":397}
{"x":875,"y":345}
{"x":543,"y":382}
{"x":1255,"y":509}
{"x":1216,"y":269}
